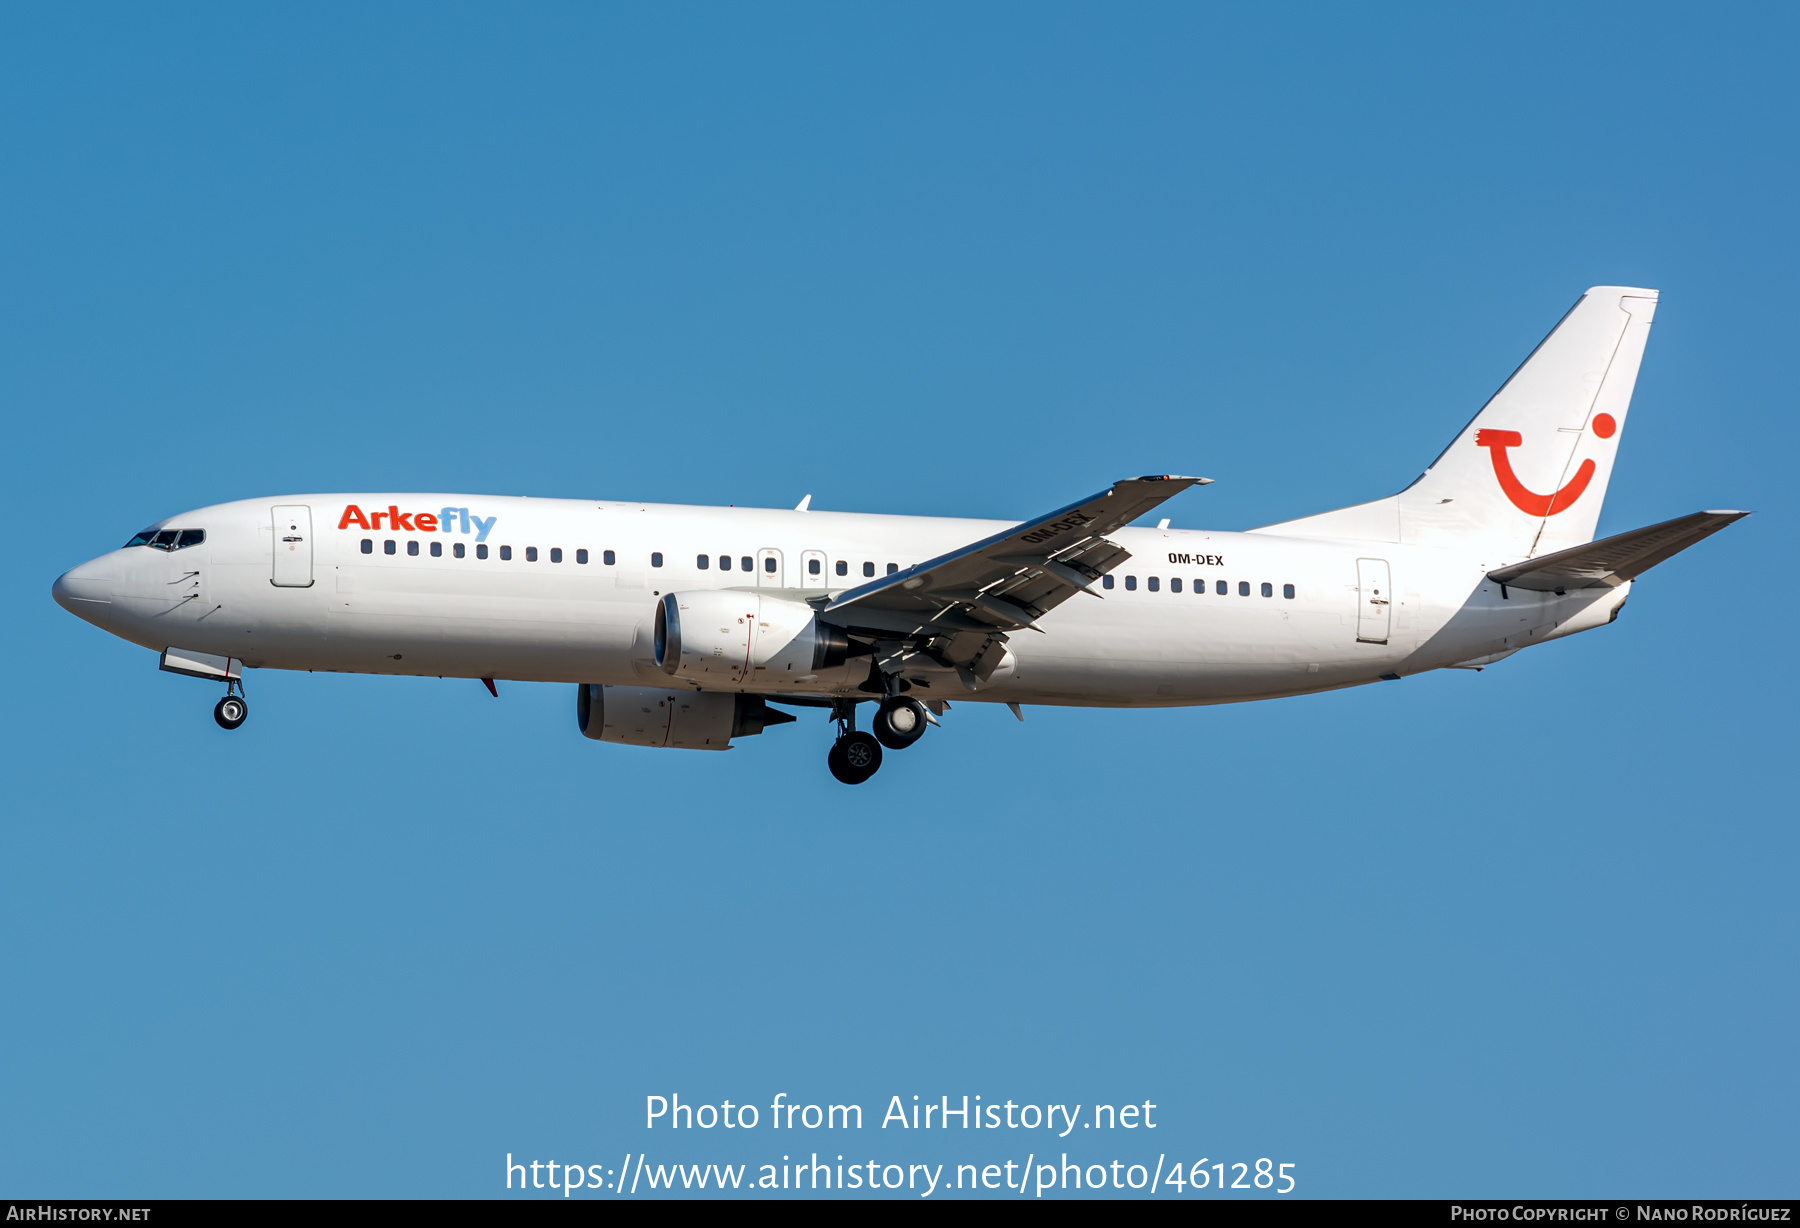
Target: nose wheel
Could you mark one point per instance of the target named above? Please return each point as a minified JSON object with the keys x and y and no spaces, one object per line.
{"x":231,"y":711}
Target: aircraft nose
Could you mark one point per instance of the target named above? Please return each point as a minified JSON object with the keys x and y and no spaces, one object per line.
{"x":86,"y":591}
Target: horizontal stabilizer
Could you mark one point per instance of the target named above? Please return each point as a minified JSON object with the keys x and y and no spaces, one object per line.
{"x":1613,"y":561}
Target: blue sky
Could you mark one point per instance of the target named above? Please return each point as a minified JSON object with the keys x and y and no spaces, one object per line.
{"x":1524,"y":932}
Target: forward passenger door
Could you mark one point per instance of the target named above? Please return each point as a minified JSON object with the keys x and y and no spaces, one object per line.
{"x":293,"y":547}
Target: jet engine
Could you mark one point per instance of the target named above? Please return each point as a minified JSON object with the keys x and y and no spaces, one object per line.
{"x":727,"y":638}
{"x":650,"y":716}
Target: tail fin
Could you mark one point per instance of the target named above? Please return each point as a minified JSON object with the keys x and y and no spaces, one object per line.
{"x":1528,"y":475}
{"x":1530,"y":472}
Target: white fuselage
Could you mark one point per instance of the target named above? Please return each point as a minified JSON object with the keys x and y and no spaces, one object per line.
{"x":1163,"y":634}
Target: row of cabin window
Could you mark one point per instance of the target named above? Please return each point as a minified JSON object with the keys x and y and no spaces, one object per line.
{"x":814,"y":567}
{"x":459,"y":550}
{"x":607,"y":557}
{"x":1221,"y":587}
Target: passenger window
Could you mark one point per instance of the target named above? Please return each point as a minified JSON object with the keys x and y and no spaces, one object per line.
{"x":1153,"y":584}
{"x":746,"y":563}
{"x":190,"y":537}
{"x":843,"y":568}
{"x":1243,"y":588}
{"x":868,"y":569}
{"x":165,"y":539}
{"x":368,"y":546}
{"x":1106,"y":581}
{"x":769,"y":565}
{"x":556,"y":554}
{"x":481,"y":552}
{"x":531,"y":554}
{"x":1131,"y":584}
{"x":412,"y":548}
{"x":702,"y":561}
{"x":656,"y":558}
{"x":1174,"y":584}
{"x":506,"y":554}
{"x":724,"y":562}
{"x":1221,"y":588}
{"x":892,"y":568}
{"x":581,"y":557}
{"x":458,"y":549}
{"x":608,"y":558}
{"x":1287,"y":590}
{"x":387,"y":547}
{"x":812,"y":567}
{"x":437,"y":550}
{"x":1268,"y":590}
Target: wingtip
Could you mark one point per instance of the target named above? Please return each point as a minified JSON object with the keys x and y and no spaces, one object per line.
{"x":1171,"y":477}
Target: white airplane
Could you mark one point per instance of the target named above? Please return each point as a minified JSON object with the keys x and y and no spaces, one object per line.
{"x":682,"y":626}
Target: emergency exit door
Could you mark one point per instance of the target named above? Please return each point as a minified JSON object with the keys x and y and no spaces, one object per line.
{"x":1374,"y":601}
{"x":769,"y":570}
{"x":293,"y":547}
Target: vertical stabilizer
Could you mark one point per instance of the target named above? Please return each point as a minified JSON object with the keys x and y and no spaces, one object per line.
{"x":1528,"y":475}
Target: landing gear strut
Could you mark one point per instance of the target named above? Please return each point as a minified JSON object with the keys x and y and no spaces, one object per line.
{"x":231,"y":711}
{"x":855,"y":756}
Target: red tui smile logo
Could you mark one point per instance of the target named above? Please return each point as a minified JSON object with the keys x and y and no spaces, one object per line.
{"x":1524,"y":498}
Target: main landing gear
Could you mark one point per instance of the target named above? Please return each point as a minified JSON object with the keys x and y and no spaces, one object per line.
{"x":856,"y":755}
{"x":231,"y":711}
{"x":899,"y":722}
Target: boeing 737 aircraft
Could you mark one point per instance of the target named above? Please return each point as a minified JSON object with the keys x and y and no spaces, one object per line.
{"x":693,"y":626}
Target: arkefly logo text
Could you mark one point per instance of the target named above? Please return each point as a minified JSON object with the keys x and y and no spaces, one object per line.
{"x":444,"y":520}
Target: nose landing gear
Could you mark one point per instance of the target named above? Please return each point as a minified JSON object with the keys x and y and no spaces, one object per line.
{"x":231,"y":711}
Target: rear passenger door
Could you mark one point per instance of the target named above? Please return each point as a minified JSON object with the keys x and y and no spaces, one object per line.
{"x":1375,"y":602}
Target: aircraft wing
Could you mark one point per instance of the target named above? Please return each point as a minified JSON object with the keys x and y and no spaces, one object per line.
{"x":1613,"y":561}
{"x":1008,"y":581}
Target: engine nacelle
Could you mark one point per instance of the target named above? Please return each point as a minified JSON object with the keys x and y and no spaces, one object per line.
{"x":723,"y":638}
{"x":651,"y":716}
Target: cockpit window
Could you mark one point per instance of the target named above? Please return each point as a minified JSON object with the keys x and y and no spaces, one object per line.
{"x":168,"y":539}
